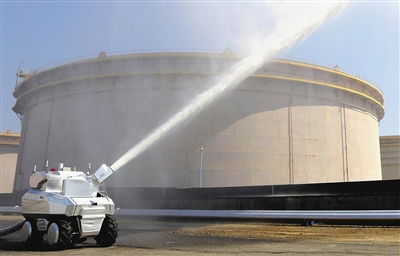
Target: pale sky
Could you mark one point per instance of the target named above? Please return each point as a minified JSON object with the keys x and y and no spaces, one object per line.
{"x":363,"y":39}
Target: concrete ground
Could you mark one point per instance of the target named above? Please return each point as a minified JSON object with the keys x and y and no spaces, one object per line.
{"x":144,"y":236}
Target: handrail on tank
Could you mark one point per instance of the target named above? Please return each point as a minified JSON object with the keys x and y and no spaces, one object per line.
{"x":346,"y":71}
{"x":95,"y":56}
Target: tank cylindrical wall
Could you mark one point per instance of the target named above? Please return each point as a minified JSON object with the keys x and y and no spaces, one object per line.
{"x":390,"y":157}
{"x":289,"y":122}
{"x":8,"y":159}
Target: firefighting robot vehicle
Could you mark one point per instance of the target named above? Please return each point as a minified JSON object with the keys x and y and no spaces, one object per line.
{"x":65,"y":207}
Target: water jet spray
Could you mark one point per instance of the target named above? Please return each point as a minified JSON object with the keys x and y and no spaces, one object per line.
{"x":230,"y":79}
{"x":68,"y":206}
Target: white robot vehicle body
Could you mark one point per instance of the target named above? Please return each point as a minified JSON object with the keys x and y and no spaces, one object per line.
{"x":67,"y":207}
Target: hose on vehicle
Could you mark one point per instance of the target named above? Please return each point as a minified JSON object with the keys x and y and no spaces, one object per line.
{"x":11,"y":229}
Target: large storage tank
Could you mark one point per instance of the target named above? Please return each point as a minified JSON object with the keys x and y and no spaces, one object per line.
{"x":390,"y":157}
{"x":8,"y":159}
{"x":290,"y":122}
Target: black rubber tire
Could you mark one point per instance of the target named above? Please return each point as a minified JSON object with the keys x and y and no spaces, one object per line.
{"x":78,"y":240}
{"x":36,"y":237}
{"x":65,"y":236}
{"x":108,"y":232}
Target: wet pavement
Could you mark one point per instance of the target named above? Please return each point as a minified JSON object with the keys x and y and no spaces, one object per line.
{"x":151,"y":236}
